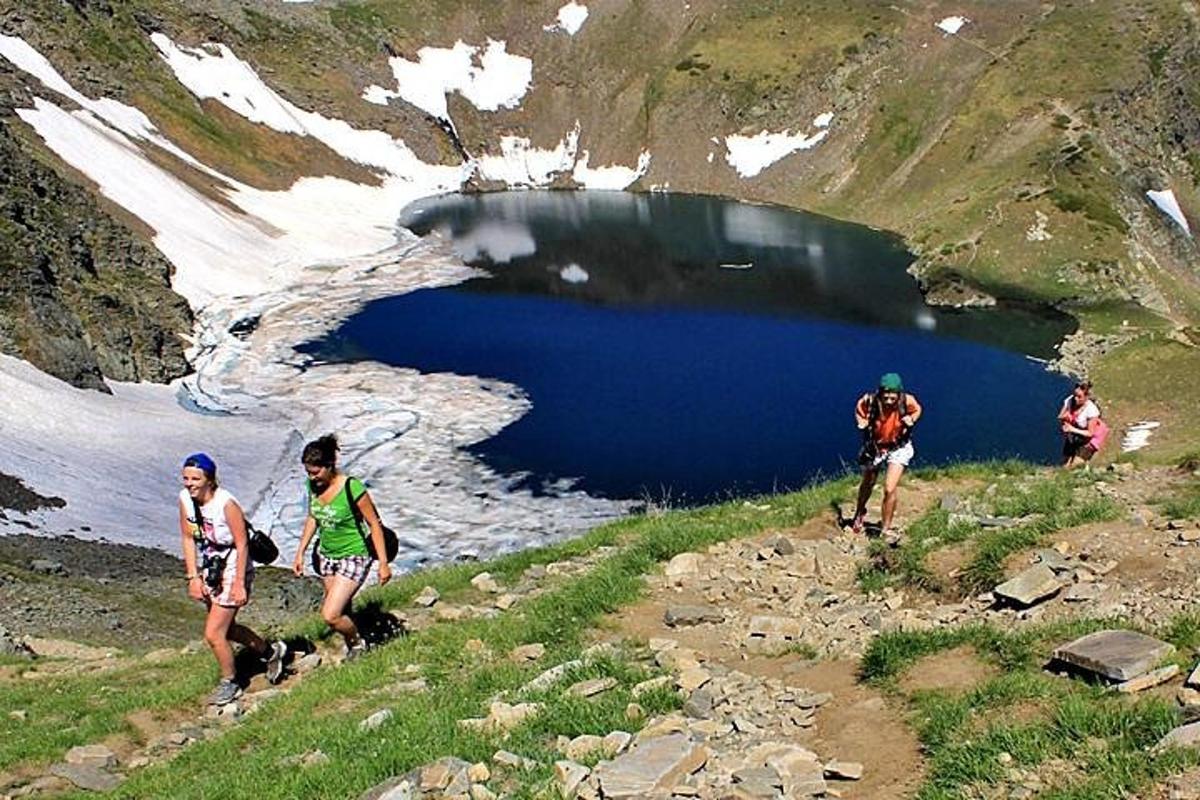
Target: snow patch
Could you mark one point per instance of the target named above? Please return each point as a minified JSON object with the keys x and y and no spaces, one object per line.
{"x":750,"y":155}
{"x":522,"y":165}
{"x":1166,"y":202}
{"x":952,"y":25}
{"x":500,"y":81}
{"x":570,"y":19}
{"x":573,"y":273}
{"x":611,"y":177}
{"x":1137,"y":436}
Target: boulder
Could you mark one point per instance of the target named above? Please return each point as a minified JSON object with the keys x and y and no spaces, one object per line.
{"x":1034,"y":584}
{"x":655,"y":765}
{"x":1114,"y":654}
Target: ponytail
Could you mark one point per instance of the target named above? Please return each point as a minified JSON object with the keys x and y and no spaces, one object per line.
{"x":321,"y":452}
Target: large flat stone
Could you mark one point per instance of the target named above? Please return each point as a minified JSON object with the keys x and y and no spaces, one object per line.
{"x":1034,"y":584}
{"x":87,"y":777}
{"x":655,"y":765}
{"x":1114,"y":654}
{"x":788,"y":628}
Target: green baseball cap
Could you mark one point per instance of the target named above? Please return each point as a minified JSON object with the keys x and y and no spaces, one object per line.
{"x":890,"y":382}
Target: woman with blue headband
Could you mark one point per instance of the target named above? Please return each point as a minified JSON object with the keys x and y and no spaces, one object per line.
{"x":216,"y":553}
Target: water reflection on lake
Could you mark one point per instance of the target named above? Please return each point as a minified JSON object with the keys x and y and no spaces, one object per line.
{"x":695,"y":346}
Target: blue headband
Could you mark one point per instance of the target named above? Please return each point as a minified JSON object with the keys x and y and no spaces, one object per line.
{"x":202,"y":462}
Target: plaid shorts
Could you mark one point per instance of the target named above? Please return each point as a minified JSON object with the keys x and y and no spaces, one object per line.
{"x":354,"y":568}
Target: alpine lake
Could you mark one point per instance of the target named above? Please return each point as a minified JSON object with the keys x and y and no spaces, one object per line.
{"x":690,"y":349}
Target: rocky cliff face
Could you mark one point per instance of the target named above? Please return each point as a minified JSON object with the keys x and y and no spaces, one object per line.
{"x":83,"y":296}
{"x":1013,"y":154}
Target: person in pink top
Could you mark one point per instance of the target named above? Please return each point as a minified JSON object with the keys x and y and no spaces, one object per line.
{"x":216,"y":554}
{"x":1082,"y":426}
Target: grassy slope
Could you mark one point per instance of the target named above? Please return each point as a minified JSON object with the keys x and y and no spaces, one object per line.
{"x":962,"y":731}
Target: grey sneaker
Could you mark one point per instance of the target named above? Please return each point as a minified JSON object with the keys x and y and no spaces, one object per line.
{"x":357,"y":650}
{"x":226,"y":692}
{"x":278,"y":651}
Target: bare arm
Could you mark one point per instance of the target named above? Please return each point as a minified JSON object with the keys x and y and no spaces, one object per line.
{"x":241,"y":542}
{"x":310,"y":527}
{"x":914,"y":410}
{"x":189,"y":556}
{"x":862,"y":412}
{"x":367,"y":506}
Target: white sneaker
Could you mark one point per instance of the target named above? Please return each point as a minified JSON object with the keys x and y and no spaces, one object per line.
{"x":278,"y":652}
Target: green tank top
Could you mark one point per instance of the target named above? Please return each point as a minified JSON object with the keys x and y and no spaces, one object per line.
{"x":339,"y":532}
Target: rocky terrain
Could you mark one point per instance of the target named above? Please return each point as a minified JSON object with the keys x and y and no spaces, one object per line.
{"x":1041,"y":197}
{"x":753,"y":667}
{"x":83,"y":296}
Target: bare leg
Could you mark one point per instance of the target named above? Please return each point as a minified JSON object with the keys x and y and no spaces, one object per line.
{"x":247,"y":638}
{"x":864,"y":491}
{"x":338,"y":591}
{"x":216,"y":634}
{"x":891,"y":489}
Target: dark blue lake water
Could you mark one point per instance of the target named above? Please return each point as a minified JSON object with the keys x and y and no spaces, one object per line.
{"x":696,"y":348}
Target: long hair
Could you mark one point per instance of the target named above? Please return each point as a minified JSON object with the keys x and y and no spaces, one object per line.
{"x":321,"y":452}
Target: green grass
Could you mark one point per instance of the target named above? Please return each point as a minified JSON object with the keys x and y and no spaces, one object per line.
{"x":967,"y":734}
{"x":64,"y":712}
{"x":1051,"y":501}
{"x":323,"y":711}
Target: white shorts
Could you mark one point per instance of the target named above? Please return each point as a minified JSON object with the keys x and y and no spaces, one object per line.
{"x":901,"y":456}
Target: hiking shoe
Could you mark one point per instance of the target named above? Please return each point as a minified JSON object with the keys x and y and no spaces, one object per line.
{"x":357,"y":650}
{"x":893,"y":537}
{"x":226,"y":692}
{"x":859,"y":521}
{"x":275,"y":656}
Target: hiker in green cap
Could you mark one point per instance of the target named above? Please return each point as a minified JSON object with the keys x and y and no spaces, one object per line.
{"x":886,"y":418}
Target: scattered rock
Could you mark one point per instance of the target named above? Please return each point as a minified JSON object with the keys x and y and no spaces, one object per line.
{"x":844,"y":770}
{"x":44,"y":566}
{"x":527,"y":652}
{"x":1183,"y":736}
{"x":1150,"y":679}
{"x":781,"y":545}
{"x":568,"y":775}
{"x":438,"y":776}
{"x":683,"y":616}
{"x":1028,"y":587}
{"x":484,"y":582}
{"x":91,"y":755}
{"x":590,"y":688}
{"x":306,"y":663}
{"x":655,"y":765}
{"x":683,"y":565}
{"x":427,"y":597}
{"x":1114,"y":654}
{"x":87,"y":777}
{"x":375,"y":720}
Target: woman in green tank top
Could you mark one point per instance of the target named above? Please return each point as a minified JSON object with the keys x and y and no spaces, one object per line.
{"x":343,"y":560}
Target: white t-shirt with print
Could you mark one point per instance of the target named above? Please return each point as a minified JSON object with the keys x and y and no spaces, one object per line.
{"x":216,"y":532}
{"x":1082,"y":416}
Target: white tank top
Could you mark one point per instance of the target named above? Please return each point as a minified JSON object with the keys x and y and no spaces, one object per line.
{"x":216,"y":531}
